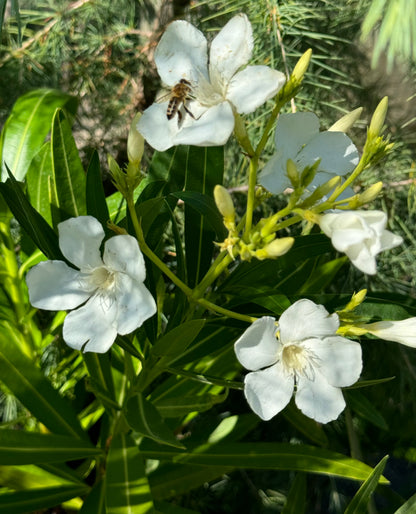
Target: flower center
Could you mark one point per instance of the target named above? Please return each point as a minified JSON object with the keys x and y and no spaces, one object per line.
{"x":102,"y":278}
{"x":298,"y":360}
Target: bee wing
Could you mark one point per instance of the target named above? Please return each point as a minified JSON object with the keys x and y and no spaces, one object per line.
{"x":162,"y":96}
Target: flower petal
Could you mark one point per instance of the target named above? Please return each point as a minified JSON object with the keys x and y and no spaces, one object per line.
{"x":122,"y":253}
{"x":268,"y":391}
{"x":337,"y":152}
{"x":230,"y":49}
{"x":213,"y":128}
{"x":181,"y":53}
{"x":258,"y":346}
{"x":273,"y":176}
{"x":91,"y":325}
{"x":304,"y":320}
{"x":154,"y":126}
{"x":134,"y":302}
{"x":294,"y":130}
{"x":403,"y":331}
{"x":338,"y":359}
{"x":253,"y":86}
{"x":54,"y":286}
{"x":319,"y":400}
{"x":80,"y":239}
{"x":389,"y":240}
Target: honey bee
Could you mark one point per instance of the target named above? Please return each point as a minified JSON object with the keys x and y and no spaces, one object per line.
{"x":180,"y":93}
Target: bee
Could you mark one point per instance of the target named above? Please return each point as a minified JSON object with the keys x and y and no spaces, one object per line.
{"x":179,"y":94}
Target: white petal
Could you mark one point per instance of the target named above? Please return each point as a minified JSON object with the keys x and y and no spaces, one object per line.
{"x":389,"y":240}
{"x":268,"y":391}
{"x":403,"y":331}
{"x":319,"y":400}
{"x":134,"y":302}
{"x":258,"y":346}
{"x":253,"y":86}
{"x":93,"y":323}
{"x":54,"y":286}
{"x":338,"y":359}
{"x":273,"y":176}
{"x":80,"y":239}
{"x":362,"y":258}
{"x":337,"y":152}
{"x":305,"y":319}
{"x":377,"y":220}
{"x":212,"y":129}
{"x":154,"y":126}
{"x":293,"y":131}
{"x":230,"y":49}
{"x":122,"y":253}
{"x":181,"y":53}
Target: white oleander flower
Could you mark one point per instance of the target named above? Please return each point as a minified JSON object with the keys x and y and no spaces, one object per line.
{"x":108,"y":291}
{"x":361,"y":235}
{"x":302,"y":355}
{"x":298,"y":138}
{"x":217,"y":86}
{"x":403,"y":331}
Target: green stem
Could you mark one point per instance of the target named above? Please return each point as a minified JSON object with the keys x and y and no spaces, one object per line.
{"x":252,"y":180}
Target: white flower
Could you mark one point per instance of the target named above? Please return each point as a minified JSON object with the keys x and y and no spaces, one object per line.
{"x":115,"y":300}
{"x":217,"y":87}
{"x":361,"y":235}
{"x":308,"y":357}
{"x":403,"y":331}
{"x":298,"y":138}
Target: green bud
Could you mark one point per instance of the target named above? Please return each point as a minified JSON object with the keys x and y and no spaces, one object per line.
{"x":135,"y":142}
{"x":370,"y":194}
{"x":308,"y":174}
{"x":302,"y":65}
{"x":275,"y":249}
{"x":321,"y":191}
{"x":379,"y":116}
{"x":292,"y":173}
{"x":347,"y":121}
{"x":224,"y":202}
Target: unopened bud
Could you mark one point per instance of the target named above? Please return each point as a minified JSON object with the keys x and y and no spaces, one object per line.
{"x":275,"y":249}
{"x":377,"y":121}
{"x":356,"y":300}
{"x":224,"y":204}
{"x":308,"y":174}
{"x":347,"y":121}
{"x":292,"y":173}
{"x":302,"y":65}
{"x":371,"y":193}
{"x":135,"y":142}
{"x":321,"y":191}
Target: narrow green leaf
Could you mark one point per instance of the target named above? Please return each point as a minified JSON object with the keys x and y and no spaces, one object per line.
{"x":359,"y":503}
{"x":26,"y":381}
{"x":22,"y":502}
{"x":127,"y":487}
{"x":366,"y":409}
{"x":95,"y":502}
{"x":177,"y":340}
{"x":279,"y":456}
{"x":2,"y":11}
{"x":30,"y":220}
{"x":95,"y":196}
{"x":409,"y":507}
{"x":29,"y":476}
{"x":309,"y":427}
{"x":27,"y":126}
{"x":68,"y":175}
{"x":19,"y":447}
{"x":38,"y":182}
{"x":177,"y":407}
{"x":143,"y":417}
{"x":296,"y":499}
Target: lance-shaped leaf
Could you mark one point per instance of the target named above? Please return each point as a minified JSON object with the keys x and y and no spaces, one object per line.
{"x":127,"y":488}
{"x":27,"y":126}
{"x":38,"y":182}
{"x":32,"y":388}
{"x":22,"y":502}
{"x":68,"y":174}
{"x":95,"y":502}
{"x":279,"y":456}
{"x":296,"y":499}
{"x":359,"y":503}
{"x":96,"y":203}
{"x":19,"y":447}
{"x":409,"y":507}
{"x":144,"y":418}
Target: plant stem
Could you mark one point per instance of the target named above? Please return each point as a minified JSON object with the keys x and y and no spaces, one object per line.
{"x":252,"y":180}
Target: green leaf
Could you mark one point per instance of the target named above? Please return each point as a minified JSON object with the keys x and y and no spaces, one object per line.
{"x":409,"y":507}
{"x":22,"y":502}
{"x":127,"y":488}
{"x":205,"y":168}
{"x":296,"y":499}
{"x":366,"y":409}
{"x":19,"y":447}
{"x":27,"y":126}
{"x":38,"y":182}
{"x":30,"y":386}
{"x":95,"y":502}
{"x":359,"y":503}
{"x":95,"y":196}
{"x":322,"y":277}
{"x":180,"y":406}
{"x":279,"y":456}
{"x":310,"y":428}
{"x":32,"y":222}
{"x":68,"y":174}
{"x":29,"y":476}
{"x":177,"y":340}
{"x":143,"y":417}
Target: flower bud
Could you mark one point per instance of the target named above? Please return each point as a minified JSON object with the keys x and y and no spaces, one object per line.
{"x":377,"y":121}
{"x":275,"y":249}
{"x":356,"y":300}
{"x":403,"y":331}
{"x":292,"y":173}
{"x":302,"y":65}
{"x":135,"y":142}
{"x":347,"y":121}
{"x":370,"y":194}
{"x":225,"y":205}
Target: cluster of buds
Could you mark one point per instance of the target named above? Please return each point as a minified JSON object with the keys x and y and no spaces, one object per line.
{"x":261,"y":242}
